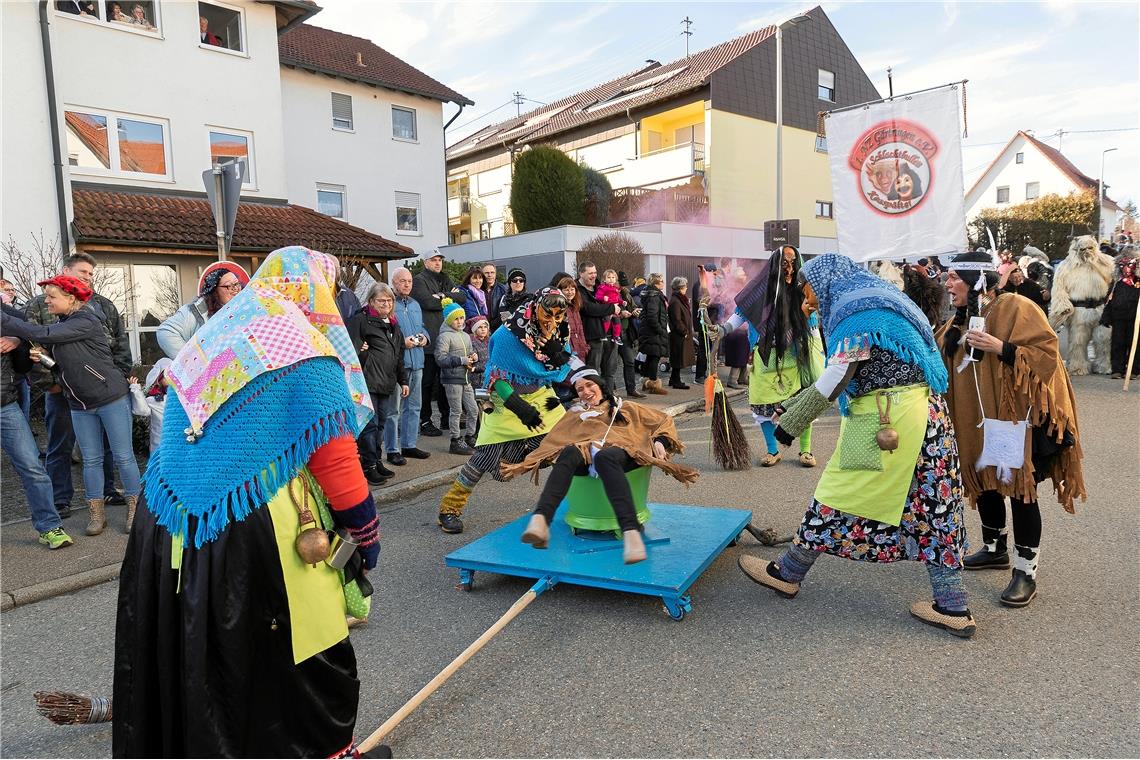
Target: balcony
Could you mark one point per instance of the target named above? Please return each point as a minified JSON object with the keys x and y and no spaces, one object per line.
{"x":669,"y":165}
{"x":639,"y":205}
{"x":458,"y":207}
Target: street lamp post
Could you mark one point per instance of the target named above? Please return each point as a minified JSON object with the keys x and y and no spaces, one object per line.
{"x":780,"y":110}
{"x":1100,"y":197}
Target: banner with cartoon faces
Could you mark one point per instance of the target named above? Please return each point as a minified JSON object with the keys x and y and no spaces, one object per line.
{"x":896,"y":175}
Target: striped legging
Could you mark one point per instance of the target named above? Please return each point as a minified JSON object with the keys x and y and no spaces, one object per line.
{"x":489,"y":456}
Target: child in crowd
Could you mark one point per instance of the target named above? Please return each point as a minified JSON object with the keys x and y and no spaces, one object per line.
{"x":151,"y":401}
{"x":609,"y":293}
{"x":480,"y":330}
{"x":456,"y":358}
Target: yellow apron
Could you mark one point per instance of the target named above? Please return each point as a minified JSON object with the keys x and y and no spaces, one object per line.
{"x":316,"y":598}
{"x":766,"y":385}
{"x":503,"y":425}
{"x":879,"y":495}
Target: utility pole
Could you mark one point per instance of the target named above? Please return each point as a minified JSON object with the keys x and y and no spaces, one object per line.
{"x":518,"y":100}
{"x":687,"y":23}
{"x":890,"y":84}
{"x":1060,"y":138}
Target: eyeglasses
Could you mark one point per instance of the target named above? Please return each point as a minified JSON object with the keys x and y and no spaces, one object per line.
{"x":382,"y":300}
{"x":519,"y":279}
{"x":232,"y":287}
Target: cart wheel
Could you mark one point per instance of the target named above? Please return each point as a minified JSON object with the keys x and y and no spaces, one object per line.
{"x":466,"y":586}
{"x":466,"y":579}
{"x":678,"y":615}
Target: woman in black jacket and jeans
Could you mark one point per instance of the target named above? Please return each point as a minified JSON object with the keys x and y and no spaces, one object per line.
{"x":95,"y":389}
{"x":380,"y":345}
{"x":653,"y":333}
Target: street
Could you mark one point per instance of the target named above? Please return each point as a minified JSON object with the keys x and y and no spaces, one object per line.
{"x":841,"y":670}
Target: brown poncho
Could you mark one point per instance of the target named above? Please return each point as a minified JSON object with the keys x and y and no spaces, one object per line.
{"x":634,"y":431}
{"x":1036,"y":382}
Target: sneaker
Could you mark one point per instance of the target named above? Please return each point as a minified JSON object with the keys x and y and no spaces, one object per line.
{"x":64,"y":511}
{"x":430,"y":430}
{"x":414,"y":453}
{"x":374,"y":478}
{"x":396,"y":458}
{"x":460,"y":447}
{"x":114,"y":499}
{"x":450,"y":523}
{"x":55,"y":538}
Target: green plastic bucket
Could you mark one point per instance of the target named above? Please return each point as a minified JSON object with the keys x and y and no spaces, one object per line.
{"x":589,"y":509}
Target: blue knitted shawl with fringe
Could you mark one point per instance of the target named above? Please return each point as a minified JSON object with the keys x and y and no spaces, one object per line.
{"x":257,"y":441}
{"x":510,"y":360}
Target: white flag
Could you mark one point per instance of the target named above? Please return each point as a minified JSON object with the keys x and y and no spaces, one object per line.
{"x":896,"y":177}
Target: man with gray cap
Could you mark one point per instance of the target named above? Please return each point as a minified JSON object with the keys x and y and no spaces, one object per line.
{"x":429,"y":288}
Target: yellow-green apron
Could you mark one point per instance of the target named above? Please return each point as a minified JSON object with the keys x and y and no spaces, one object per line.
{"x":316,"y":597}
{"x":767,"y":385}
{"x":504,"y":425}
{"x":879,"y":495}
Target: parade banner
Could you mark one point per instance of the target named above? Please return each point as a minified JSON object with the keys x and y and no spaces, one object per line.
{"x":896,"y":177}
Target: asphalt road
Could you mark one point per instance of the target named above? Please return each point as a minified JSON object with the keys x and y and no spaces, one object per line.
{"x":842,"y":670}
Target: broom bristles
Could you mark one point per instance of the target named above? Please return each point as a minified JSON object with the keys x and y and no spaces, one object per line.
{"x":66,"y":709}
{"x":730,"y":446}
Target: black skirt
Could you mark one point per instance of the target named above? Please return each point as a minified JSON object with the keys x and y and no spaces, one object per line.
{"x":208,"y":671}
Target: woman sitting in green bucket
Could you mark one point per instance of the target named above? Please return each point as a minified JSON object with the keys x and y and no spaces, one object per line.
{"x":604,"y":437}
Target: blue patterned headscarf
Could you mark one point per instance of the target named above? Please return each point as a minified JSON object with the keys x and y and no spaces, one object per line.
{"x":858,"y":308}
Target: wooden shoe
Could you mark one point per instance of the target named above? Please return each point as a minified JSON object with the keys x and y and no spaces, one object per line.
{"x":537,"y":532}
{"x":807,"y":459}
{"x":767,"y":574}
{"x":960,"y":624}
{"x":634,"y":550}
{"x":770,"y":460}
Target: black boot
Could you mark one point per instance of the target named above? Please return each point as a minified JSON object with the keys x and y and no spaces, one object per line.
{"x":993,"y":555}
{"x":1023,"y":585}
{"x":373,"y":476}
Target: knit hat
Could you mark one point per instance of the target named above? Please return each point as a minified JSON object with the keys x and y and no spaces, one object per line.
{"x":70,"y":285}
{"x":516,"y":272}
{"x":450,"y":309}
{"x":473,"y":322}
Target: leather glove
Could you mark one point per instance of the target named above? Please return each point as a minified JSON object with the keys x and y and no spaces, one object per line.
{"x":552,"y":403}
{"x":524,"y":411}
{"x":556,"y":351}
{"x":783,"y":436}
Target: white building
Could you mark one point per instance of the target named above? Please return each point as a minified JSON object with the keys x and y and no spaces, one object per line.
{"x":1027,"y":168}
{"x":143,"y":104}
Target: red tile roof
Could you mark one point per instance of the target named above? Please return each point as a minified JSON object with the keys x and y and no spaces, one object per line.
{"x":175,"y":221}
{"x":327,"y":52}
{"x":587,"y":107}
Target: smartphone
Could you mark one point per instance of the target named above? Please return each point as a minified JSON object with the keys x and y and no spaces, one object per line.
{"x":978,"y":324}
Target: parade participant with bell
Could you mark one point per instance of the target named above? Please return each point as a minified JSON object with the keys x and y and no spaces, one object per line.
{"x":892,"y":490}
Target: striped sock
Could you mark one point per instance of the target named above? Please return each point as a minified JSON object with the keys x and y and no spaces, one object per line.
{"x":946,"y":583}
{"x":795,"y":563}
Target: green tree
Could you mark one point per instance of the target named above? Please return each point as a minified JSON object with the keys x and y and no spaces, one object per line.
{"x":1048,"y":223}
{"x":548,"y":190}
{"x":598,"y":196}
{"x":453,"y":269}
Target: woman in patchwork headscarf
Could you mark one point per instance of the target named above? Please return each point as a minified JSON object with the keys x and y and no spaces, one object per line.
{"x":891,"y":490}
{"x":1017,"y":375}
{"x":529,"y":352}
{"x":231,"y":636}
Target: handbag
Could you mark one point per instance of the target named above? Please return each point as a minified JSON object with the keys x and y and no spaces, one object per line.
{"x":858,"y":448}
{"x":1003,"y":443}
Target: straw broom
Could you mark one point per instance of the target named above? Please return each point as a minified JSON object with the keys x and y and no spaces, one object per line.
{"x":730,"y":447}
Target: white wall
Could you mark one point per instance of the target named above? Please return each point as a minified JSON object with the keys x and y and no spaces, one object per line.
{"x":1006,"y":172}
{"x":369,"y":162}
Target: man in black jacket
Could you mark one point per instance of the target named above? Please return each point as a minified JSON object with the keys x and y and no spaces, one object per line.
{"x":593,"y":312}
{"x":57,"y":413}
{"x":429,"y":288}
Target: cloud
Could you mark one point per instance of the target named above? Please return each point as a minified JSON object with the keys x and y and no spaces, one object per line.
{"x":569,"y":25}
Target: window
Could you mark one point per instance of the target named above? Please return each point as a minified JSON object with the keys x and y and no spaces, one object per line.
{"x":136,"y":145}
{"x":1019,"y":158}
{"x":221,"y":27}
{"x":130,"y":15}
{"x":827,"y":85}
{"x":403,"y":123}
{"x":484,"y":230}
{"x":823,"y":210}
{"x":820,"y":144}
{"x":233,"y":145}
{"x":156,"y":295}
{"x":1032,"y":190}
{"x":330,"y":200}
{"x":342,"y":111}
{"x":1003,"y":195}
{"x":408,"y":213}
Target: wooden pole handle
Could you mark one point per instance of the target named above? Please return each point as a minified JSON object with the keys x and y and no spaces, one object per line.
{"x":1132,"y":351}
{"x":386,"y":728}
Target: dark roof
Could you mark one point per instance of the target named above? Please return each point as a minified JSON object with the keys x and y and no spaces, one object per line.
{"x":324,"y":51}
{"x":184,"y":221}
{"x":651,"y":84}
{"x":1067,"y":167}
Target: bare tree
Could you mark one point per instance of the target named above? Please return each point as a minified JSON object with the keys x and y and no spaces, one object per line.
{"x":25,"y":266}
{"x":614,"y":250}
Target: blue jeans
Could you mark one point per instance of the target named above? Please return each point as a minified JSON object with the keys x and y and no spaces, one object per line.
{"x":406,"y":421}
{"x":60,"y":442}
{"x":24,"y":390}
{"x":90,"y":424}
{"x":20,"y":446}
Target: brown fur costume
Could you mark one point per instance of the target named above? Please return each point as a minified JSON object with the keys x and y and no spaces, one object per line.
{"x":1084,"y":276}
{"x":1036,"y":381}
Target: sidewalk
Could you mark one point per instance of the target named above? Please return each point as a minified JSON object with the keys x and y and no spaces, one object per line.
{"x":30,"y":573}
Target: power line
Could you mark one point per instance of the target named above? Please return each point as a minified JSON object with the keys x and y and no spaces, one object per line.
{"x":484,"y":116}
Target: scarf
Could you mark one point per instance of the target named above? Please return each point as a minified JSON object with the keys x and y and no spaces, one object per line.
{"x":480,"y":298}
{"x":515,"y":349}
{"x":286,"y":314}
{"x":859,"y":310}
{"x":512,"y":300}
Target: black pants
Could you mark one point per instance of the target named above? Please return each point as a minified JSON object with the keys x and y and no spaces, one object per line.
{"x":432,"y":388}
{"x":628,"y":355}
{"x":612,"y":464}
{"x":370,"y":442}
{"x":1121,"y":344}
{"x":594,"y":355}
{"x":1026,"y":517}
{"x":650,"y":367}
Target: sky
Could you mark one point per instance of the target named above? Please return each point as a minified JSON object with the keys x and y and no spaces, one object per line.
{"x":1034,"y":66}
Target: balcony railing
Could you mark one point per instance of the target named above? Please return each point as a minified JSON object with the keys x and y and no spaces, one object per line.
{"x":458,"y":206}
{"x":639,"y":205}
{"x":677,"y":162}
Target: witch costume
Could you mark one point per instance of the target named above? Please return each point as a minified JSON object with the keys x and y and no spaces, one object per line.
{"x":1026,"y":382}
{"x":891,"y":491}
{"x":528,"y":353}
{"x":229,"y":643}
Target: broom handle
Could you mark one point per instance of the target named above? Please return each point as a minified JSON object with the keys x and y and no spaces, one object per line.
{"x":1132,"y":352}
{"x":524,"y":600}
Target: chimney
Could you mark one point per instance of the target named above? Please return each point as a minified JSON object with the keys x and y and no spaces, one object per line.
{"x":360,"y":60}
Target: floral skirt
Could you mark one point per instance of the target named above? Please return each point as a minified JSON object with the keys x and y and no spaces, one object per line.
{"x":931,"y":530}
